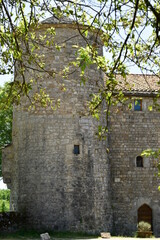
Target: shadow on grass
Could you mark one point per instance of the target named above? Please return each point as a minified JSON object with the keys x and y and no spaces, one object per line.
{"x":32,"y":234}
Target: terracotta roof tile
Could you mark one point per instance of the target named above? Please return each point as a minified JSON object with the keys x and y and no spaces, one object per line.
{"x":139,"y":83}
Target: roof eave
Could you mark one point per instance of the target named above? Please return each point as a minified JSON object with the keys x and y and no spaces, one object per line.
{"x":141,"y":93}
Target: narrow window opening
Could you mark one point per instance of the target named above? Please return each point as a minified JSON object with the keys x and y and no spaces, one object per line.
{"x":138,"y":105}
{"x":76,"y":150}
{"x":139,"y":161}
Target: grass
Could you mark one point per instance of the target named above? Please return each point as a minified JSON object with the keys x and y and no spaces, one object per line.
{"x":31,"y":235}
{"x":19,"y":235}
{"x":22,"y":234}
{"x":72,"y":235}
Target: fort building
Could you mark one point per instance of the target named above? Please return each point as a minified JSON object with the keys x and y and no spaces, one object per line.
{"x":60,"y":175}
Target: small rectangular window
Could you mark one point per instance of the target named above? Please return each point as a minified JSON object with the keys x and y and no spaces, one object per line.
{"x":139,"y":161}
{"x":76,"y":149}
{"x":137,"y":105}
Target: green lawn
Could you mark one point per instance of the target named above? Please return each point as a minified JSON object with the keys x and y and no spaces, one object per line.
{"x":28,"y":235}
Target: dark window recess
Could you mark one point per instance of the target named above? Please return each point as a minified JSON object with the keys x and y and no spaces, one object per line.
{"x":137,"y":105}
{"x":139,"y":161}
{"x":76,"y":149}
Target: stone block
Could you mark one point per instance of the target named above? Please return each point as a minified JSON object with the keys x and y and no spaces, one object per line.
{"x":105,"y":235}
{"x":45,"y":236}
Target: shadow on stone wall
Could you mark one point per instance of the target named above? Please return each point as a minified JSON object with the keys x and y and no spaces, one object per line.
{"x":10,"y":221}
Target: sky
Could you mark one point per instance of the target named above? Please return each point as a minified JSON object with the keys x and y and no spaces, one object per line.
{"x":2,"y":185}
{"x":5,"y":78}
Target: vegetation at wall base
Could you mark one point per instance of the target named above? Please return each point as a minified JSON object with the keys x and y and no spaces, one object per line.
{"x":144,"y":226}
{"x":144,"y":230}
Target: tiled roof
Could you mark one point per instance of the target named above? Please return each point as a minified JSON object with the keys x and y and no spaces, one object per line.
{"x":139,"y":83}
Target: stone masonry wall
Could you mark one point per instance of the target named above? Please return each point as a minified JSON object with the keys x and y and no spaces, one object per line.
{"x":131,"y":132}
{"x":58,"y":189}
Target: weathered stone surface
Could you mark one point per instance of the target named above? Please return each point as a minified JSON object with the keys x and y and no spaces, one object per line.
{"x":131,"y":132}
{"x":45,"y":236}
{"x":105,"y":235}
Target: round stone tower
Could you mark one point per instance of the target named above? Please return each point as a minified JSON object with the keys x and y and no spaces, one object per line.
{"x":61,"y":174}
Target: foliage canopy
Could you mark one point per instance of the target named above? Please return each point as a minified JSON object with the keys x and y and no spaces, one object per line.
{"x":130,"y":31}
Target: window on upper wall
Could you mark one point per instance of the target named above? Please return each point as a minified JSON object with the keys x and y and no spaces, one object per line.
{"x":76,"y":150}
{"x":138,"y":105}
{"x":139,"y":161}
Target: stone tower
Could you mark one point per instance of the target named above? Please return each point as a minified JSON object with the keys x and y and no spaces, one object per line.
{"x":58,"y":172}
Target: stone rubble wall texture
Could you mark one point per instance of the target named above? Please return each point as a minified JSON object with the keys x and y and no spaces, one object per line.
{"x":92,"y":191}
{"x":56,"y":189}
